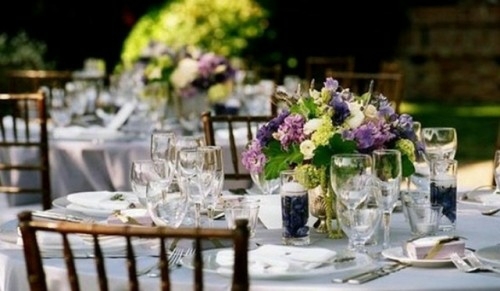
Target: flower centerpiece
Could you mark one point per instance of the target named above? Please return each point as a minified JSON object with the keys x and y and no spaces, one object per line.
{"x":189,"y":72}
{"x":317,"y":125}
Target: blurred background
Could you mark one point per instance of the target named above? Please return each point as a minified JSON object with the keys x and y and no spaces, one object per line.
{"x":448,"y":51}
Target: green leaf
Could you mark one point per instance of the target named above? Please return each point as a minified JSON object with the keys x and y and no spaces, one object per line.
{"x":280,"y":159}
{"x":337,"y":145}
{"x":408,"y":167}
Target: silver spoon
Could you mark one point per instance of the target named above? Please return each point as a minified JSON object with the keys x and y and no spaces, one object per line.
{"x":490,"y":211}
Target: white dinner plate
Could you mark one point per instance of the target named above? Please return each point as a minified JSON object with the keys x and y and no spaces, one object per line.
{"x":95,"y":203}
{"x":489,"y":255}
{"x":480,"y":198}
{"x":361,"y":262}
{"x":396,"y":254}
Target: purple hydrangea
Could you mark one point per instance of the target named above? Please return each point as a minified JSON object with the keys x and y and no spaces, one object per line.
{"x":371,"y":136}
{"x":265,"y":132}
{"x":291,"y":130}
{"x":340,"y":109}
{"x":253,"y":159}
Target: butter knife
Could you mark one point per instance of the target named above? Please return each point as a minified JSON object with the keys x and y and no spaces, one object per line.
{"x":386,"y":270}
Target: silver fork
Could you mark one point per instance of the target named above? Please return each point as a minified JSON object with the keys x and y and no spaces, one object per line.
{"x":463,"y":266}
{"x":173,"y":261}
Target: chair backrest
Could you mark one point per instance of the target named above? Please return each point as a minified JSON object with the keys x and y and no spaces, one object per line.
{"x":388,"y":84}
{"x":318,"y":67}
{"x":34,"y":260}
{"x":23,"y":127}
{"x":29,"y":81}
{"x":238,"y":130}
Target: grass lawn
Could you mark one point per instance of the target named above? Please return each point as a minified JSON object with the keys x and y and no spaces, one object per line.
{"x":477,"y":126}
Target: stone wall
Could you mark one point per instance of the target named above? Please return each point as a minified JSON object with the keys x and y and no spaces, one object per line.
{"x":452,"y":54}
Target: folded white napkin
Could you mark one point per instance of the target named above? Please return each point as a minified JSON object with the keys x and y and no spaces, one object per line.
{"x":276,"y":259}
{"x":105,"y":200}
{"x":122,"y":115}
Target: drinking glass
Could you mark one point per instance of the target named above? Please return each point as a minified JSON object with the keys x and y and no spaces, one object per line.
{"x":267,"y":187}
{"x":439,"y":142}
{"x":165,"y":207}
{"x":350,"y":174}
{"x":211,"y":177}
{"x":387,"y":171}
{"x":144,"y":171}
{"x":188,"y":178}
{"x":361,"y":222}
{"x":162,"y":148}
{"x":496,"y":171}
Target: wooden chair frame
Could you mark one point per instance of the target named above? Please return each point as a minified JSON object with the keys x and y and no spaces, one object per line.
{"x":34,"y":260}
{"x":251,"y":122}
{"x":23,"y":136}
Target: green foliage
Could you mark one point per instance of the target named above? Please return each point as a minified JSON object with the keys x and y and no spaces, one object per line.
{"x":337,"y":145}
{"x":281,"y":159}
{"x":221,"y":26}
{"x":22,"y":52}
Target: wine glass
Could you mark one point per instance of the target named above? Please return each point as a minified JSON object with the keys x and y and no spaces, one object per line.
{"x":211,"y":177}
{"x":439,"y":142}
{"x":267,"y":187}
{"x":188,"y":178}
{"x":350,"y":174}
{"x":360,"y":223}
{"x":165,"y":207}
{"x":496,"y":171}
{"x":144,"y":171}
{"x":387,"y":171}
{"x":162,"y":148}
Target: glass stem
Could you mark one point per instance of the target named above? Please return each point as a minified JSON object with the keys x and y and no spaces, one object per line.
{"x":387,"y":224}
{"x":210,"y":212}
{"x":197,"y":216}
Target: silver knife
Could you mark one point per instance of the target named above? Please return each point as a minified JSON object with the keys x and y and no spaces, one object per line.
{"x":386,"y":270}
{"x":353,"y":276}
{"x":57,"y":216}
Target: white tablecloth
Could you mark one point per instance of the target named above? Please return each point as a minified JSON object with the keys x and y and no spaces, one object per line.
{"x":480,"y":231}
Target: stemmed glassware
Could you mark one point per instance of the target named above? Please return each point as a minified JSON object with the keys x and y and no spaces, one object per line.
{"x":350,"y":177}
{"x":188,"y":178}
{"x":439,"y":142}
{"x":387,"y":172}
{"x":267,"y":187}
{"x":496,"y":171}
{"x":211,"y":177}
{"x":162,"y":148}
{"x":361,"y":222}
{"x":165,"y":207}
{"x":144,"y":171}
{"x":350,"y":174}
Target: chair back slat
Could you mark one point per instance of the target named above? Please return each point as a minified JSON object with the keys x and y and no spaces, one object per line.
{"x":231,"y":123}
{"x":34,"y":261}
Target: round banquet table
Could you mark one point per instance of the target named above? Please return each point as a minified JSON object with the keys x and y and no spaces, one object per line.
{"x":479,"y":231}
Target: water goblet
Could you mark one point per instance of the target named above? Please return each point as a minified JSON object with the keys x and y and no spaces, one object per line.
{"x":496,"y":171}
{"x":387,"y":171}
{"x":267,"y":187}
{"x":439,"y":142}
{"x":361,"y":222}
{"x":350,"y":174}
{"x":144,"y":171}
{"x":165,"y":207}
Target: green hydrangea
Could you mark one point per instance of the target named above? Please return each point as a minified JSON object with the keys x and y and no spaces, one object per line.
{"x":323,"y":134}
{"x":407,"y":148}
{"x":308,"y":176}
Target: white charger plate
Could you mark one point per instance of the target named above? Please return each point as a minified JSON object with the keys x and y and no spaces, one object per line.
{"x":361,"y":262}
{"x":396,"y":254}
{"x":480,"y":198}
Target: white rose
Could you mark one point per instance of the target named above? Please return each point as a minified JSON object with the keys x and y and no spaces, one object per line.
{"x":371,"y":112}
{"x":357,"y":116}
{"x":307,"y":148}
{"x":185,"y":73}
{"x":311,"y":125}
